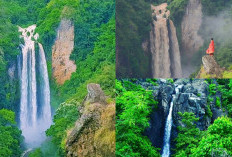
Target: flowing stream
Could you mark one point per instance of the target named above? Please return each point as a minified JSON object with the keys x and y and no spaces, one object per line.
{"x":35,"y":111}
{"x":168,"y":126}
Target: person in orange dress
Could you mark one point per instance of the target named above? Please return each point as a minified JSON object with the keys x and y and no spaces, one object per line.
{"x":210,"y":50}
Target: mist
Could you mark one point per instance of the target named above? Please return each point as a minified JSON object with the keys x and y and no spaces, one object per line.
{"x":218,"y":27}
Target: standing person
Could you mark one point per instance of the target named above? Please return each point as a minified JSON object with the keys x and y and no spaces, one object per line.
{"x":210,"y":50}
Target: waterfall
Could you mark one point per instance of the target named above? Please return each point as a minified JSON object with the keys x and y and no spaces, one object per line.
{"x":168,"y":126}
{"x":164,"y":45}
{"x":35,"y":112}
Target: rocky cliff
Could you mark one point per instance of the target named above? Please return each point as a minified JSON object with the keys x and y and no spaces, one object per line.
{"x":62,"y":66}
{"x":164,"y":44}
{"x":192,"y":97}
{"x":210,"y":68}
{"x":191,"y":23}
{"x":94,"y":131}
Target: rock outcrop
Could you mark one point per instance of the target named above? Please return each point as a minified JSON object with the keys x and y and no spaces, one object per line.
{"x":164,"y":44}
{"x":191,"y":23}
{"x":210,"y":68}
{"x":94,"y":131}
{"x":62,"y":66}
{"x":192,"y":97}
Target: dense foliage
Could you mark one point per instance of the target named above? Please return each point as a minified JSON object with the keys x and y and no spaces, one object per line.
{"x":188,"y":135}
{"x":216,"y":141}
{"x":133,"y":26}
{"x":64,"y":118}
{"x":94,"y":55}
{"x":94,"y":44}
{"x":10,"y":135}
{"x":134,"y":104}
{"x":98,"y":67}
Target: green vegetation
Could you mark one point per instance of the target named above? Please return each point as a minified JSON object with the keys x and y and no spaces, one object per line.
{"x":170,"y":80}
{"x":134,"y":104}
{"x":177,"y":10}
{"x":64,"y":118}
{"x":208,"y":111}
{"x":133,"y":24}
{"x":10,"y":135}
{"x":94,"y":55}
{"x":152,"y":81}
{"x":188,"y":135}
{"x":218,"y":102}
{"x":225,"y":87}
{"x":217,"y":140}
{"x":133,"y":27}
{"x":213,"y":7}
{"x":36,"y":153}
{"x":98,"y":67}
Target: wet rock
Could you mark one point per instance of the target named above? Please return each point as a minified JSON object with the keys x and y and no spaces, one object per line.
{"x":192,"y":97}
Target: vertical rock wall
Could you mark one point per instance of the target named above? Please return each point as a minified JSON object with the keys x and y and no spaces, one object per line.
{"x":62,"y":66}
{"x":191,"y":23}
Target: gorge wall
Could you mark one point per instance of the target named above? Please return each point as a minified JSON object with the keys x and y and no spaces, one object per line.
{"x":191,"y":41}
{"x":192,"y":20}
{"x":62,"y":66}
{"x":164,"y":46}
{"x":192,"y":97}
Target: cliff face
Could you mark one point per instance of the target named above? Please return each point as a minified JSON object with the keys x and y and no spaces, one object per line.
{"x":192,"y":20}
{"x":164,"y":44}
{"x":94,"y":131}
{"x":192,"y":97}
{"x":210,"y":68}
{"x":62,"y":66}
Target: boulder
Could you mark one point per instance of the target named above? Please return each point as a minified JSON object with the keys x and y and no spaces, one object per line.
{"x":95,"y":94}
{"x":211,"y":67}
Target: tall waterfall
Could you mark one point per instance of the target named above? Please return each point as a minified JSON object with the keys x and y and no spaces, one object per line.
{"x":35,"y":110}
{"x":166,"y":61}
{"x":168,"y":126}
{"x":168,"y":129}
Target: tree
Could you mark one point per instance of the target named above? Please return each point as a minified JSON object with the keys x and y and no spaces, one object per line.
{"x":217,"y":140}
{"x":188,"y":135}
{"x":10,"y":135}
{"x":134,"y":104}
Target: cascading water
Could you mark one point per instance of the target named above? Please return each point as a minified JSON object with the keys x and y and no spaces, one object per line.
{"x":35,"y":110}
{"x":168,"y":126}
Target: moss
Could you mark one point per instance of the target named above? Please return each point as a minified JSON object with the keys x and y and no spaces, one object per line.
{"x":218,"y":102}
{"x":208,"y":111}
{"x":170,"y":80}
{"x":152,"y":81}
{"x":227,"y":74}
{"x":209,"y":100}
{"x":105,"y":136}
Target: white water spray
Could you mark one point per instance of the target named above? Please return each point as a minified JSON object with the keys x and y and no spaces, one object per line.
{"x":168,"y":126}
{"x":35,"y":111}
